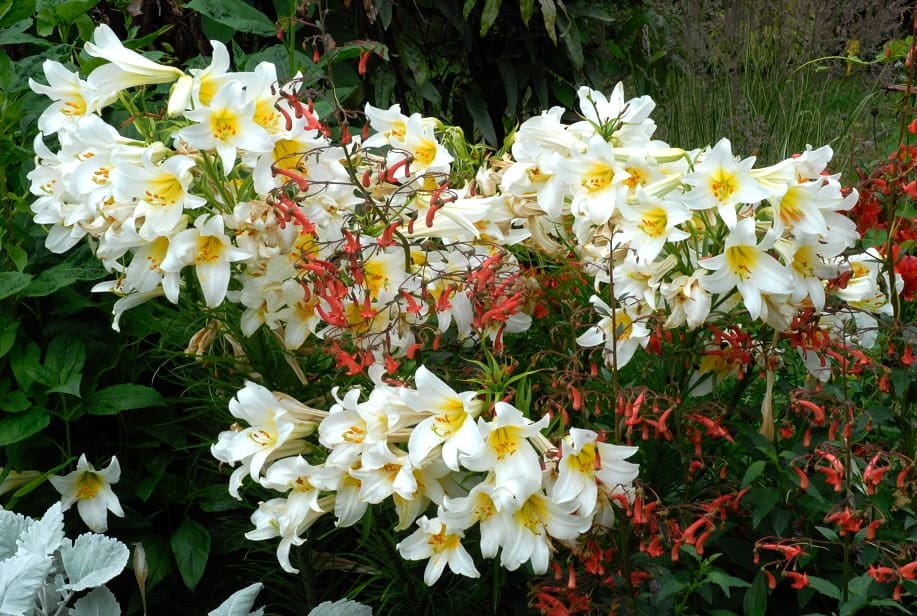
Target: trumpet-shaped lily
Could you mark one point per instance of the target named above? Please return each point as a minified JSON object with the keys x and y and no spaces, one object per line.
{"x":126,"y":68}
{"x":508,"y":452}
{"x":227,"y":125}
{"x":91,"y":491}
{"x":745,"y":264}
{"x":210,"y":251}
{"x":721,"y":182}
{"x":72,"y":97}
{"x":442,"y":545}
{"x":450,"y":420}
{"x":621,"y":335}
{"x":583,"y":462}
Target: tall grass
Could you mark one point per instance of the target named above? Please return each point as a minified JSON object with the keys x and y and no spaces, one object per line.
{"x":759,"y":81}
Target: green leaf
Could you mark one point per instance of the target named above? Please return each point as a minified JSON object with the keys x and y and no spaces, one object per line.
{"x":16,"y":35}
{"x":124,"y":397}
{"x":573,"y":44}
{"x":527,"y":9}
{"x":549,"y":12}
{"x":68,"y":11}
{"x":8,"y":335}
{"x":468,"y":7}
{"x":238,"y":15}
{"x":828,"y":533}
{"x":755,"y":601}
{"x":824,"y":587}
{"x":24,"y":363}
{"x":13,"y":282}
{"x":78,"y":266}
{"x":14,"y":402}
{"x":191,"y":547}
{"x":64,"y":364}
{"x":765,"y":498}
{"x":489,"y":16}
{"x":478,"y":110}
{"x":753,"y":472}
{"x":726,"y":581}
{"x":20,"y":426}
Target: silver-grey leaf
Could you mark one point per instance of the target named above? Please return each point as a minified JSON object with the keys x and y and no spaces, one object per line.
{"x":99,"y":602}
{"x":12,"y":525}
{"x":21,"y":576}
{"x":46,"y":535}
{"x":92,"y":560}
{"x":341,"y":607}
{"x":240,"y":603}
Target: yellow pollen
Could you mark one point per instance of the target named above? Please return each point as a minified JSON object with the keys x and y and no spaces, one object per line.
{"x":355,"y":434}
{"x":209,"y":249}
{"x":263,"y":437}
{"x":451,"y":419}
{"x":505,"y":441}
{"x":425,"y":152}
{"x":722,"y":185}
{"x":790,"y":212}
{"x":441,"y":542}
{"x":88,"y":485}
{"x":584,"y":461}
{"x":741,"y":260}
{"x":289,"y":155}
{"x":532,"y":514}
{"x":597,"y":178}
{"x":224,"y":124}
{"x":637,"y":177}
{"x":164,"y":190}
{"x":75,"y":106}
{"x":654,"y":222}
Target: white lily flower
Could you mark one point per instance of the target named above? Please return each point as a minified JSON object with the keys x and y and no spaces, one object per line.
{"x":210,"y":251}
{"x":91,"y":491}
{"x":72,"y":97}
{"x":450,"y":421}
{"x":719,"y":181}
{"x":441,"y":544}
{"x":126,"y":68}
{"x":745,"y":265}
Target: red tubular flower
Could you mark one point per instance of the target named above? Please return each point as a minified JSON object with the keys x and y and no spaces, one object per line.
{"x":800,"y":580}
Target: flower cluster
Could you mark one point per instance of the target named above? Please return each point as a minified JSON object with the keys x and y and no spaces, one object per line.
{"x":493,"y":469}
{"x":370,"y":247}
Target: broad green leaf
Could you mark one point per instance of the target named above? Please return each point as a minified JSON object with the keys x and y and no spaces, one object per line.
{"x":478,"y":110}
{"x":19,"y":426}
{"x":64,"y":363}
{"x":92,"y":560}
{"x":69,"y":11}
{"x":14,"y":402}
{"x":573,"y":44}
{"x":191,"y":547}
{"x":549,"y":12}
{"x":765,"y":499}
{"x":20,"y":577}
{"x":489,"y":16}
{"x":12,"y":11}
{"x":8,"y":335}
{"x":16,"y":34}
{"x":124,"y":397}
{"x":238,"y":603}
{"x":238,"y":15}
{"x":726,"y":581}
{"x":13,"y":282}
{"x":24,"y":363}
{"x":468,"y":7}
{"x":755,"y":601}
{"x":753,"y":471}
{"x":78,"y":266}
{"x":99,"y":602}
{"x":824,"y":587}
{"x":46,"y":535}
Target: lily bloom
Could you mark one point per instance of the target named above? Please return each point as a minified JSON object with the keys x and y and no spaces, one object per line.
{"x":91,"y":491}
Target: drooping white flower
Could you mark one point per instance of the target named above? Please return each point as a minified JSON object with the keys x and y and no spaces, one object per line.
{"x":442,"y":545}
{"x":91,"y":491}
